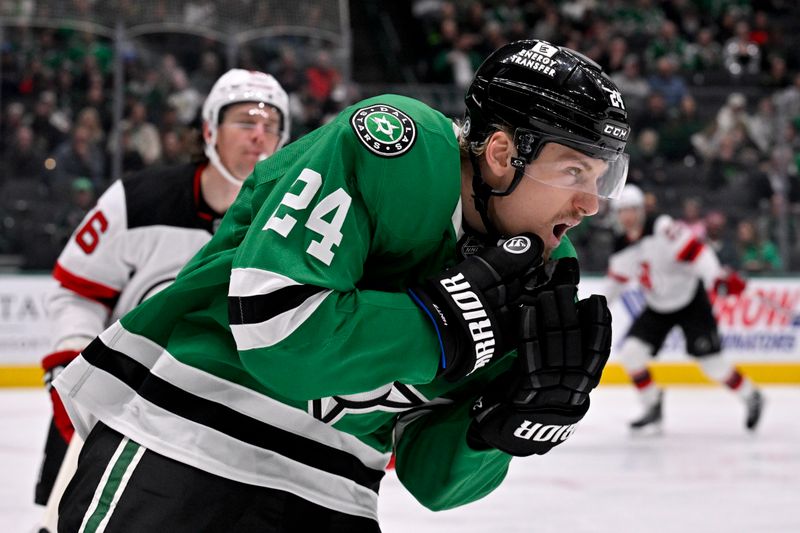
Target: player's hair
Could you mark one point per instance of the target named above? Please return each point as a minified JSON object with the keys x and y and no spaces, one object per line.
{"x":478,"y":148}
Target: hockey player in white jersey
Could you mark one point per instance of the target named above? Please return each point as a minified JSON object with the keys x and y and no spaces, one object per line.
{"x":674,"y":269}
{"x":145,"y":227}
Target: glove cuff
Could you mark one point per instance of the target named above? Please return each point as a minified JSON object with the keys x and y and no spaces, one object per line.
{"x":467,"y":339}
{"x":522,"y":432}
{"x":62,"y":358}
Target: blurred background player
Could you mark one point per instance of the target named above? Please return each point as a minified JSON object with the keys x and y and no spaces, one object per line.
{"x":674,"y":269}
{"x":149,"y":224}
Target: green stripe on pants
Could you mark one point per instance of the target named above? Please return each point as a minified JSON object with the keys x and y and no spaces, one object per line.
{"x":112,"y":485}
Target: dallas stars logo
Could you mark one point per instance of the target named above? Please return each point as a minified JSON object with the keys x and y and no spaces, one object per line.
{"x":384,"y":130}
{"x":392,"y":397}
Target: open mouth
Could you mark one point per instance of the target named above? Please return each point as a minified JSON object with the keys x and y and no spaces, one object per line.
{"x":560,"y":229}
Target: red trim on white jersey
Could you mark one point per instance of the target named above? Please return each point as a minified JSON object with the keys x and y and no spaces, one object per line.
{"x":618,"y":277}
{"x":87,"y":288}
{"x":691,"y":251}
{"x":197,"y":191}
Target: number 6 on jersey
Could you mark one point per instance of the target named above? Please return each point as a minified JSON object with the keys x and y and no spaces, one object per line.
{"x":338,"y":202}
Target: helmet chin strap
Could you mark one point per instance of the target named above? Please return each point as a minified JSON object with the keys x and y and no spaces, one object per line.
{"x":482,"y":192}
{"x":213,"y":158}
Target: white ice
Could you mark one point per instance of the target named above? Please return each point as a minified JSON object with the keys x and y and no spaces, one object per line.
{"x":705,"y":473}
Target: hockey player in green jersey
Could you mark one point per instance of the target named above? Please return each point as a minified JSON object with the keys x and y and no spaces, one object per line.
{"x":390,"y":283}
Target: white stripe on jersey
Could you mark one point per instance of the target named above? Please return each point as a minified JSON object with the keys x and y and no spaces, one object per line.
{"x":254,"y":281}
{"x":164,"y":432}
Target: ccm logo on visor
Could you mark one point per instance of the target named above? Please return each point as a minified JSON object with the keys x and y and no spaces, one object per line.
{"x":615,"y":131}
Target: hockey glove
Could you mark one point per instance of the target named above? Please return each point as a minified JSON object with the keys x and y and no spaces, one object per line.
{"x":52,"y":365}
{"x":730,"y":284}
{"x":563,"y":349}
{"x":472,"y":305}
{"x":564,"y":271}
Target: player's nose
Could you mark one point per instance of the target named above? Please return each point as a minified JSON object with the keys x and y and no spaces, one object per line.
{"x":586,"y":203}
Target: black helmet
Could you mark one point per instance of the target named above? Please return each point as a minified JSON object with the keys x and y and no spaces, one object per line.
{"x":547,"y":93}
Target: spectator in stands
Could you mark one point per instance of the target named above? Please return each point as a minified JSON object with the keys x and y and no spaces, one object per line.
{"x":322,"y":78}
{"x":97,"y":98}
{"x":13,"y":120}
{"x":704,"y":54}
{"x":24,"y":157}
{"x":655,"y":114}
{"x":49,"y":124}
{"x":740,"y":54}
{"x":668,"y":43}
{"x":726,"y":16}
{"x":642,"y":17}
{"x":474,"y":19}
{"x":764,"y":126}
{"x":668,"y":81}
{"x":632,"y":84}
{"x":148,"y":87}
{"x":89,"y":117}
{"x":67,"y":94}
{"x":144,"y":135}
{"x":760,"y":33}
{"x":81,"y":199}
{"x":756,"y":255}
{"x":493,"y":38}
{"x":787,"y":101}
{"x":77,"y":157}
{"x":779,"y":225}
{"x":651,"y":207}
{"x":548,"y":25}
{"x":32,"y":77}
{"x":132,"y":160}
{"x":173,"y":152}
{"x":184,"y":98}
{"x":719,"y":239}
{"x":204,"y":77}
{"x":288,"y":73}
{"x":646,"y":161}
{"x":777,"y":76}
{"x":731,"y":121}
{"x":777,"y":178}
{"x":616,"y":57}
{"x":456,"y":61}
{"x":597,"y":41}
{"x":692,"y":216}
{"x":676,"y":134}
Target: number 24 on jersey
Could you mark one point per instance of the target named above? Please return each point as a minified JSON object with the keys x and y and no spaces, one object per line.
{"x":337,"y":202}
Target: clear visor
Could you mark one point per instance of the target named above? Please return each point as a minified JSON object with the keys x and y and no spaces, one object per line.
{"x":258,"y":116}
{"x":567,"y":168}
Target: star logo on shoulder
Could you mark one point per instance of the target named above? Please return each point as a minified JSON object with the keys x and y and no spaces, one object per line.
{"x":384,"y":130}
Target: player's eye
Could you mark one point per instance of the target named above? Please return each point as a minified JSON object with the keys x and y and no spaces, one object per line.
{"x":575,"y":175}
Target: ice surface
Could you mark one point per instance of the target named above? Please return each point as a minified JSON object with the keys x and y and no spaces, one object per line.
{"x":704,"y":473}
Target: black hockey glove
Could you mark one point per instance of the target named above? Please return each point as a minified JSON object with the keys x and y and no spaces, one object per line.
{"x":473,"y":305}
{"x":551,"y":274}
{"x":563,"y":349}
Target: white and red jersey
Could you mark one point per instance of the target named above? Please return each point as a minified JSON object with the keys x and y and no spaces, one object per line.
{"x":134,"y":242}
{"x":668,"y":264}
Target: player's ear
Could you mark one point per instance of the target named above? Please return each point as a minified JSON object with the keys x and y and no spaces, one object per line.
{"x":206,"y":132}
{"x":499,"y":150}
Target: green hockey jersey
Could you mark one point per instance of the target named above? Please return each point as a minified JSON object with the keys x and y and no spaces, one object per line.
{"x":287,"y":353}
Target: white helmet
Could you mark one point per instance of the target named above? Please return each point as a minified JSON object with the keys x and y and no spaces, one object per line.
{"x":235,"y":86}
{"x":631,"y":196}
